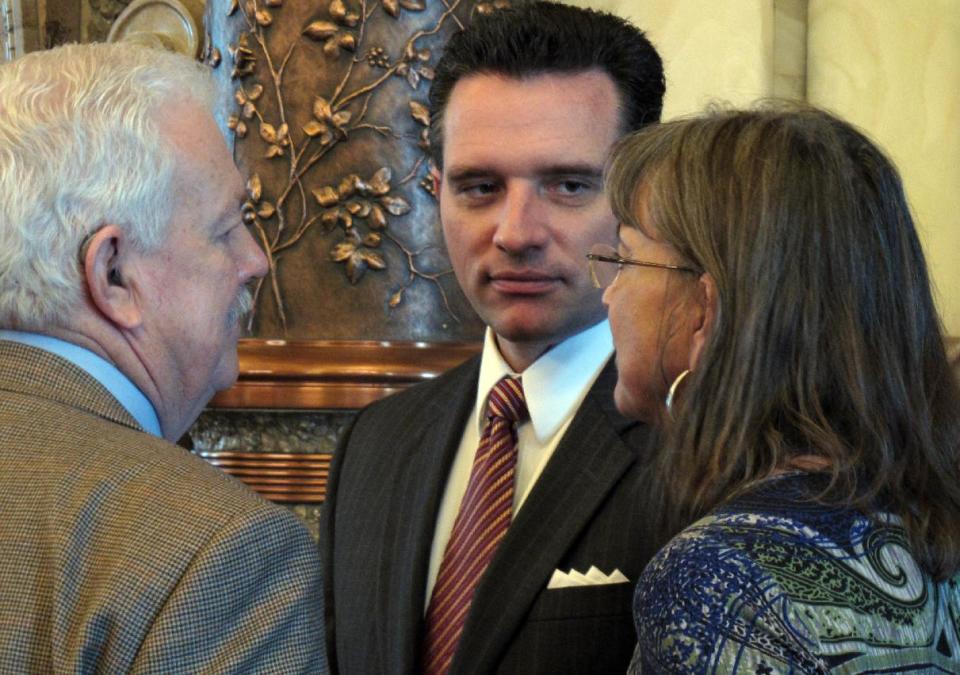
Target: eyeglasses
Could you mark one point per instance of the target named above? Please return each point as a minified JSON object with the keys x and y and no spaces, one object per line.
{"x":606,"y":263}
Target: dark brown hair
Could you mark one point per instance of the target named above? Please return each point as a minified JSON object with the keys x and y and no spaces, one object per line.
{"x":538,"y":38}
{"x":826,"y":342}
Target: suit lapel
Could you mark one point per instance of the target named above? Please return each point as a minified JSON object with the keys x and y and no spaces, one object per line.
{"x":584,"y":468}
{"x":421,"y":476}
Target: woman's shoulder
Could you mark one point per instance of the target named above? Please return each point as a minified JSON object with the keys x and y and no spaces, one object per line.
{"x":772,"y":580}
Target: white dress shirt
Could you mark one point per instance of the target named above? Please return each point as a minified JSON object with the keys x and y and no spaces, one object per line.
{"x":554,"y":386}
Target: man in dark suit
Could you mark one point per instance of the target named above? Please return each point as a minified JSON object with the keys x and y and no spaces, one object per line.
{"x":123,"y":266}
{"x":538,"y":578}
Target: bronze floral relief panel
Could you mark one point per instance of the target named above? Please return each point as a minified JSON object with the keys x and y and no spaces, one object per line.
{"x":326,"y":106}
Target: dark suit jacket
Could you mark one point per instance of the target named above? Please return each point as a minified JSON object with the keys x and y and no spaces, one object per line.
{"x":587,"y":508}
{"x":120,"y":552}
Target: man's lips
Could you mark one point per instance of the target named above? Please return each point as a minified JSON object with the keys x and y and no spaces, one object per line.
{"x":523,"y":283}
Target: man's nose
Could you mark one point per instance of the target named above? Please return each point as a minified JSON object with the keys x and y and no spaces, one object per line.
{"x":254,"y":264}
{"x":522,"y":225}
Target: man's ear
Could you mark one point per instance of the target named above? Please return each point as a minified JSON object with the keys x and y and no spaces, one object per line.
{"x":107,"y":277}
{"x":708,"y":299}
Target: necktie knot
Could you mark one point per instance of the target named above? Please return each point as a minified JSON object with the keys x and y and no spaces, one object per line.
{"x":507,"y":401}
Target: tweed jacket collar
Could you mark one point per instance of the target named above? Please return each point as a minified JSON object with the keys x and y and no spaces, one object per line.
{"x":34,"y":372}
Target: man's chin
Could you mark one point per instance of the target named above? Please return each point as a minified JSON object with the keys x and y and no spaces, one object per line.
{"x":227,"y":372}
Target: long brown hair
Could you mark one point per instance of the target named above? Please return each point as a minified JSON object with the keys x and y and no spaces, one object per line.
{"x":826,"y":341}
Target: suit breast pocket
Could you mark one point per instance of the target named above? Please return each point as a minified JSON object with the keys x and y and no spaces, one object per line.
{"x":575,"y":631}
{"x":581,"y":602}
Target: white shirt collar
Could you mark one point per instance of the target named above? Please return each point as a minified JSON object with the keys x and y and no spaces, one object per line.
{"x":554,"y":385}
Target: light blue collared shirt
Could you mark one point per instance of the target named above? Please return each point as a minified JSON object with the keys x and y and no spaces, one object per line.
{"x":104,"y":372}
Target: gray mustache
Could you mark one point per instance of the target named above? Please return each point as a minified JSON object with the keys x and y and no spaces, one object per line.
{"x":240,"y":307}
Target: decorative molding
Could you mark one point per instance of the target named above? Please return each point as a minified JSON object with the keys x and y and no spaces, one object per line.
{"x":334,"y":374}
{"x":279,"y":477}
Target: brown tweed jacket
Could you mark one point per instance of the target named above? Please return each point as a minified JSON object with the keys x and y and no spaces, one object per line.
{"x":120,"y":552}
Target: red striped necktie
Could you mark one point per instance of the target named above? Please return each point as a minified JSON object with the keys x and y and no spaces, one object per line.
{"x":481,"y":523}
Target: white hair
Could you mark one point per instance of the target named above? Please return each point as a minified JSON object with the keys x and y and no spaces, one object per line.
{"x":79,"y":149}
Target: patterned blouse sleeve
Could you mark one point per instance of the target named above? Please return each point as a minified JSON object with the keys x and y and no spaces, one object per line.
{"x":704,"y":605}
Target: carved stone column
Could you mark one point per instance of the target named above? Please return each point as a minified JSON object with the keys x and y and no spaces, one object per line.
{"x":327,"y":109}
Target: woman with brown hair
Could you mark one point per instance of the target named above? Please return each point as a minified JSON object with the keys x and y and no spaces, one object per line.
{"x":771,"y":288}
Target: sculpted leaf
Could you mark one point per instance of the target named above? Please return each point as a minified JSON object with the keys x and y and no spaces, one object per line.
{"x":423,"y":55}
{"x":232,"y":122}
{"x":255,"y":188}
{"x":266,"y":210}
{"x":241,"y":129}
{"x":342,"y":251}
{"x":372,"y":240}
{"x":395,"y":205}
{"x":346,"y":219}
{"x":240,"y":97}
{"x":267,"y":132}
{"x":338,"y":9}
{"x":329,"y":219}
{"x":427,"y":73}
{"x":347,"y":42}
{"x":347,"y":186}
{"x":391,"y":7}
{"x":273,"y":150}
{"x":396,"y":298}
{"x":331,"y":47}
{"x":413,"y":5}
{"x":283,"y":134}
{"x":255,"y":92}
{"x":359,"y":208}
{"x":325,"y":196}
{"x":321,"y":108}
{"x":356,"y":266}
{"x":264,"y":18}
{"x":380,"y":181}
{"x":351,"y":19}
{"x":377,"y":219}
{"x":320,"y":30}
{"x":341,"y":118}
{"x":249,"y":217}
{"x":420,"y":113}
{"x":314,"y":128}
{"x":249,"y":109}
{"x":413,"y":78}
{"x":373,"y":259}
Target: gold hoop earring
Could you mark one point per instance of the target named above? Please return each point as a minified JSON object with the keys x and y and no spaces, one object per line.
{"x":673,"y":390}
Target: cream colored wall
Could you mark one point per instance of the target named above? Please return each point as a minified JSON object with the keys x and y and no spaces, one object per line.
{"x":893,"y":68}
{"x":890,"y":66}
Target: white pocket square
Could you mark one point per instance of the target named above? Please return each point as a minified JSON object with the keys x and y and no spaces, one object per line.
{"x":593,"y":577}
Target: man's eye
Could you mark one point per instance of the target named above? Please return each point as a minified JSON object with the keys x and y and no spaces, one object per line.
{"x":572,"y":187}
{"x":572,"y":190}
{"x":478,"y":189}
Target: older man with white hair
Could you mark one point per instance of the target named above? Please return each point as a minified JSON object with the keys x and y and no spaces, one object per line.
{"x":123,"y":271}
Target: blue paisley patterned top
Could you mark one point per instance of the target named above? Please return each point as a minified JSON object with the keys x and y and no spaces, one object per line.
{"x":772,"y":583}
